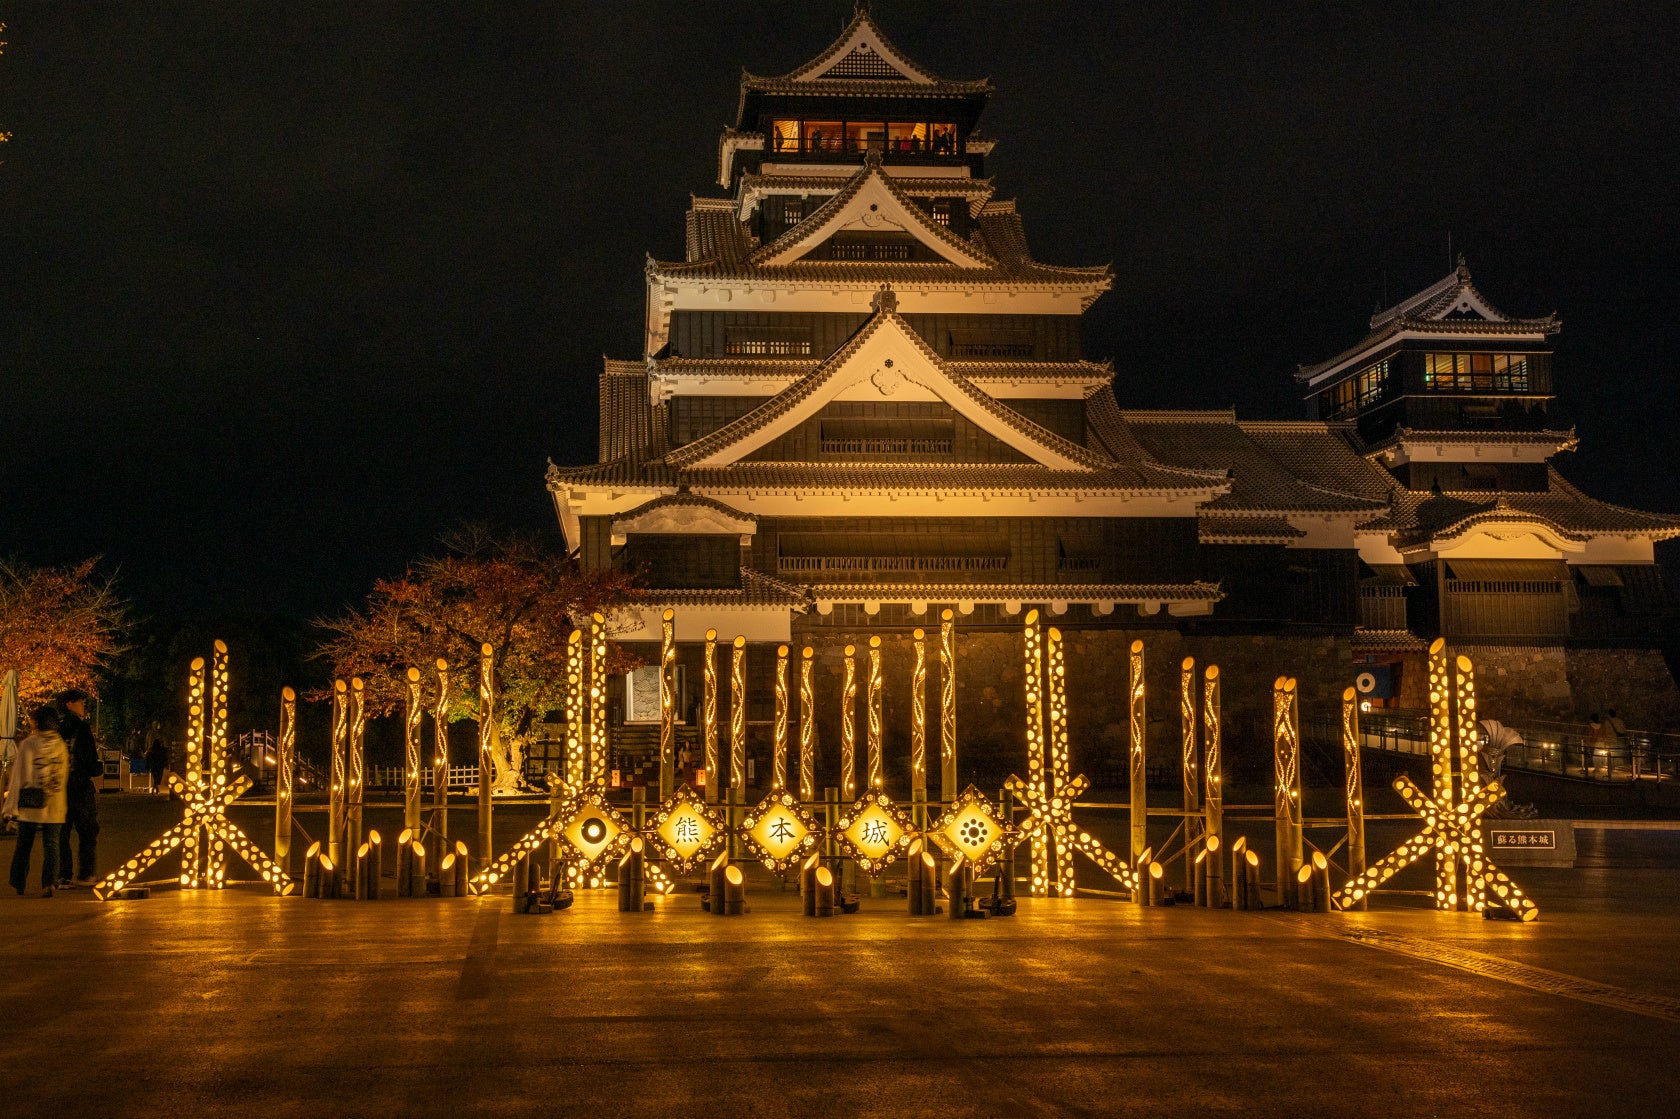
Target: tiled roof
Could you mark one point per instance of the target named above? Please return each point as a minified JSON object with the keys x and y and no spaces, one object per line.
{"x":1436,"y":310}
{"x":1227,"y":529}
{"x":685,"y":500}
{"x":1387,"y":641}
{"x":1562,"y":440}
{"x":752,"y":187}
{"x":1049,"y":372}
{"x":957,"y":478}
{"x":756,"y":589}
{"x":1018,"y":592}
{"x":884,"y":69}
{"x":630,"y":426}
{"x":1263,"y":460}
{"x":1110,"y":434}
{"x":1420,"y":519}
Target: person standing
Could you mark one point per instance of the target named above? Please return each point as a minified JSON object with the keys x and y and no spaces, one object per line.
{"x":157,"y":759}
{"x":82,"y":794}
{"x":36,"y":796}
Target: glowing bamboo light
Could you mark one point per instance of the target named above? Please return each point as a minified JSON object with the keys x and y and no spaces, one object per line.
{"x":807,"y":728}
{"x":486,"y":744}
{"x":1286,"y":770}
{"x":440,"y":756}
{"x":1138,"y":769}
{"x":576,"y":742}
{"x":338,"y":781}
{"x":1191,"y":770}
{"x":597,"y":699}
{"x":848,"y":727}
{"x":1213,"y":803}
{"x":708,"y":715}
{"x":1452,"y":817}
{"x":285,"y":772}
{"x":872,"y":712}
{"x":414,"y":714}
{"x":204,"y":831}
{"x":738,"y":715}
{"x":215,"y":853}
{"x":778,"y":756}
{"x":1046,"y":815}
{"x":947,"y":706}
{"x":1033,"y":676}
{"x":918,"y":716}
{"x":1056,"y":732}
{"x":667,"y":702}
{"x":1355,"y":786}
{"x":191,"y":856}
{"x":355,"y":763}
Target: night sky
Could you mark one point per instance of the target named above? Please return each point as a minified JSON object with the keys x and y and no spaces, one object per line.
{"x":291,"y":288}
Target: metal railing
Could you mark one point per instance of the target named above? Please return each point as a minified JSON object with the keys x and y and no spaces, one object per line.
{"x":1561,"y":749}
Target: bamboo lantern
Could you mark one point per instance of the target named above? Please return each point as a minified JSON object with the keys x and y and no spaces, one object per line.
{"x":463,"y":871}
{"x":848,"y":727}
{"x":374,"y":865}
{"x":486,"y":746}
{"x":1033,"y":677}
{"x":1153,"y":882}
{"x":918,"y":717}
{"x":807,"y":728}
{"x":312,"y":871}
{"x":355,"y":763}
{"x":285,"y":767}
{"x":823,"y":881}
{"x":913,"y":881}
{"x":1198,"y":878}
{"x":808,"y":885}
{"x":1355,"y":786}
{"x":959,"y":886}
{"x":328,"y":876}
{"x":440,"y":757}
{"x":1056,"y":734}
{"x":1251,"y":875}
{"x":577,"y":708}
{"x":215,"y":858}
{"x":779,"y":744}
{"x":947,"y":706}
{"x":667,"y":703}
{"x":1138,"y":770}
{"x":1213,"y":775}
{"x":1321,"y":882}
{"x":1286,"y":747}
{"x":1213,"y":892}
{"x":414,"y":714}
{"x":446,"y":876}
{"x":1188,"y":753}
{"x":872,"y":713}
{"x":1239,"y":880}
{"x":708,"y":715}
{"x":191,"y":856}
{"x":734,"y":891}
{"x":714,"y":884}
{"x":597,"y":773}
{"x":1304,"y":889}
{"x":930,"y":883}
{"x":738,"y":717}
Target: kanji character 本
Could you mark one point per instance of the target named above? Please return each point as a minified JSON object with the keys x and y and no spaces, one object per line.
{"x":781,"y":829}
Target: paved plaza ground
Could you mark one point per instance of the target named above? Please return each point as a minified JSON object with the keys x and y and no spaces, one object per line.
{"x":237,"y":1003}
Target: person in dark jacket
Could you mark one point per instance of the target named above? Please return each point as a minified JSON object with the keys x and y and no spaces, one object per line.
{"x":85,"y":770}
{"x":157,"y":759}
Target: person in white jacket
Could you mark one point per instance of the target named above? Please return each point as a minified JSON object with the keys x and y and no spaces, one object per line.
{"x":42,"y":767}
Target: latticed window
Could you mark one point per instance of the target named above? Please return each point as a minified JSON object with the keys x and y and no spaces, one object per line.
{"x":1475,"y":372}
{"x":768,"y":342}
{"x":1367,"y":387}
{"x":942,"y":211}
{"x":862,"y":63}
{"x":793,"y":211}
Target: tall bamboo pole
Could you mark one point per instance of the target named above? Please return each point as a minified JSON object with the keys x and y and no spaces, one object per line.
{"x":486,"y":748}
{"x":414,"y":714}
{"x":356,"y":763}
{"x":947,"y":706}
{"x":708,"y":715}
{"x":338,"y":778}
{"x":778,"y":758}
{"x":191,"y":854}
{"x":1213,"y":804}
{"x":597,"y":699}
{"x":1191,"y":769}
{"x":877,"y":776}
{"x":1032,"y":675}
{"x":215,"y":858}
{"x":440,"y":758}
{"x":577,"y":707}
{"x":1441,"y":747}
{"x":1473,"y":897}
{"x":285,"y":774}
{"x":1286,"y":768}
{"x":738,"y":715}
{"x":1056,"y":732}
{"x":1138,"y":770}
{"x":667,"y":703}
{"x":1355,"y":787}
{"x":918,"y":717}
{"x":848,"y":728}
{"x":807,"y":728}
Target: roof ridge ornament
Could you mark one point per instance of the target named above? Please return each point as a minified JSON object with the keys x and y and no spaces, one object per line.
{"x":1463,"y":270}
{"x":885,"y":301}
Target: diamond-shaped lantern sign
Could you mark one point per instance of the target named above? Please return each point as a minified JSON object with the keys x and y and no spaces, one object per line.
{"x":874,"y":831}
{"x":971,"y":828}
{"x":590,"y":830}
{"x":779,"y":832}
{"x":684,"y":831}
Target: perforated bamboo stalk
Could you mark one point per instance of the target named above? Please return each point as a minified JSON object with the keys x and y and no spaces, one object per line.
{"x":1441,"y":748}
{"x":1213,"y":776}
{"x":1355,"y":790}
{"x":414,"y":713}
{"x":338,"y":778}
{"x":1033,"y":677}
{"x":486,"y":748}
{"x":1138,"y":772}
{"x":848,"y":727}
{"x":356,"y":762}
{"x":807,"y":728}
{"x":738,"y":716}
{"x":440,"y":756}
{"x":708,"y":715}
{"x":1469,"y":777}
{"x":1056,"y":736}
{"x":285,"y":775}
{"x":779,"y":737}
{"x":1191,"y":768}
{"x":192,"y":857}
{"x":667,"y":703}
{"x":1286,"y":771}
{"x":947,"y":706}
{"x":877,"y":774}
{"x":577,"y":712}
{"x":597,"y":699}
{"x":215,"y":855}
{"x":918,"y":716}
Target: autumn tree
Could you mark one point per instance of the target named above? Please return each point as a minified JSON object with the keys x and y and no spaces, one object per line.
{"x":506,"y":591}
{"x":59,"y":627}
